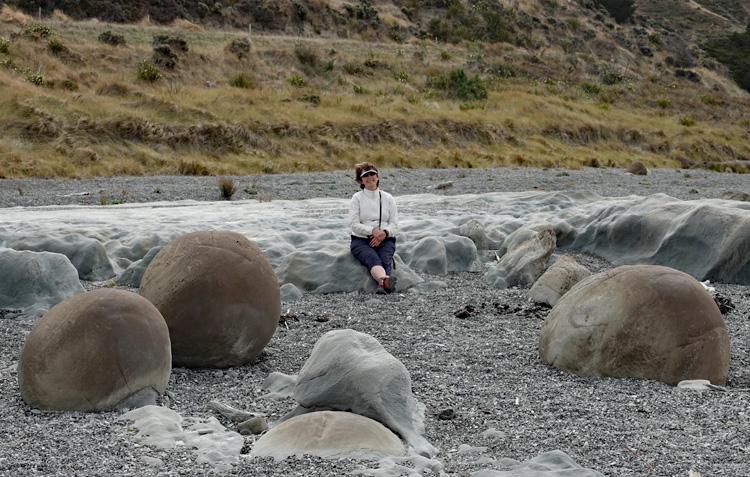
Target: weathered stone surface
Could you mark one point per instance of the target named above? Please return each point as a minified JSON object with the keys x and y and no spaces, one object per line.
{"x":555,"y":463}
{"x":429,"y":256}
{"x":525,"y":259}
{"x":336,"y":270}
{"x":475,"y":231}
{"x":218,"y":295}
{"x":329,"y":434}
{"x":86,"y":254}
{"x":32,"y":282}
{"x":638,"y":321}
{"x":94,"y":351}
{"x":290,"y":293}
{"x":133,"y":275}
{"x":557,"y":280}
{"x":351,"y":371}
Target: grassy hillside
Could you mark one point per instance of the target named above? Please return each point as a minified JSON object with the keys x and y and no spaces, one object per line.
{"x":73,"y":105}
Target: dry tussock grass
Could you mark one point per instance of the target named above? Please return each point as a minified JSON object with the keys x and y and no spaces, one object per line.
{"x":183,"y":24}
{"x":61,"y":17}
{"x":9,"y":14}
{"x":193,"y":122}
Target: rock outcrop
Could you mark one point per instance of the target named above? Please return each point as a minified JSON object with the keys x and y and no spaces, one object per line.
{"x":557,"y":280}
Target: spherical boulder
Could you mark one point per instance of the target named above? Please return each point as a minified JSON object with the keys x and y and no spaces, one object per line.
{"x":639,"y":321}
{"x":94,"y":351}
{"x":219,"y":296}
{"x":329,"y":434}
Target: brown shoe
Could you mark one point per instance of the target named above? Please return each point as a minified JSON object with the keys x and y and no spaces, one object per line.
{"x":389,"y":284}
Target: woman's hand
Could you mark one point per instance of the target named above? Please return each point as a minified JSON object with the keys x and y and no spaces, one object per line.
{"x":377,"y":237}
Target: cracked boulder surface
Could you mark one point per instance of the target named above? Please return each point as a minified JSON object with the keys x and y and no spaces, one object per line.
{"x":219,"y":296}
{"x":640,"y":321}
{"x":95,"y":351}
{"x":351,"y":371}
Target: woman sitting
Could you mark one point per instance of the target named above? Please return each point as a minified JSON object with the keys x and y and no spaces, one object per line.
{"x":374,"y":225}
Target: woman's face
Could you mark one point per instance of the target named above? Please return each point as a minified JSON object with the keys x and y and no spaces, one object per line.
{"x":370,"y":181}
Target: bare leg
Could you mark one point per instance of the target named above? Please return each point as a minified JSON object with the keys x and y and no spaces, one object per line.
{"x":378,"y":273}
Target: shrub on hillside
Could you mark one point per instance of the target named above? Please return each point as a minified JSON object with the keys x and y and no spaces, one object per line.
{"x":148,"y":72}
{"x":732,"y":52}
{"x":112,"y":39}
{"x":4,"y":45}
{"x":174,"y":42}
{"x":56,"y":46}
{"x":241,"y":81}
{"x":239,"y":47}
{"x":621,"y":10}
{"x":38,"y":30}
{"x":456,"y":84}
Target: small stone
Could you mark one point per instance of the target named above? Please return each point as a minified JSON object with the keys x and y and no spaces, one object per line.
{"x":447,"y":414}
{"x":254,"y":425}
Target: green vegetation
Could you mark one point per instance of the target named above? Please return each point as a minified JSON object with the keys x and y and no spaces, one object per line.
{"x":241,"y":81}
{"x":4,"y":45}
{"x":456,"y":84}
{"x":148,"y":72}
{"x":732,"y":51}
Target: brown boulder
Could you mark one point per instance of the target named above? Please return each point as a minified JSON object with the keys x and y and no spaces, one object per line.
{"x":97,"y":350}
{"x":640,"y":321}
{"x":219,"y":296}
{"x":637,"y":169}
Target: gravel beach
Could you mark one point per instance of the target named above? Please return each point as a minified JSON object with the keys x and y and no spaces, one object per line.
{"x":483,"y":366}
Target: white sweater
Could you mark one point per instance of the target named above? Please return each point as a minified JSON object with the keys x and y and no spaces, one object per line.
{"x":365,"y":210}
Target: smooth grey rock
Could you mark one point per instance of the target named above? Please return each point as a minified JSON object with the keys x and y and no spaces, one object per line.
{"x":557,"y":280}
{"x":132,"y":276}
{"x":429,"y":255}
{"x":86,"y":254}
{"x":329,"y":434}
{"x":231,"y":413}
{"x":290,"y":293}
{"x":461,"y":254}
{"x":555,"y":463}
{"x":336,"y":270}
{"x":638,"y":321}
{"x":348,"y":370}
{"x":525,"y":259}
{"x":252,"y":426}
{"x":279,"y":385}
{"x":33,"y":282}
{"x":474,"y":230}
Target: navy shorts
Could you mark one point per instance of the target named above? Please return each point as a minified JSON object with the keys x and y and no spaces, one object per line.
{"x":372,"y":256}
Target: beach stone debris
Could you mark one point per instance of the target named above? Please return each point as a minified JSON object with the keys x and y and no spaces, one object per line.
{"x":447,"y":414}
{"x":554,"y":463}
{"x":33,"y":282}
{"x":725,"y":304}
{"x":165,"y":429}
{"x":557,"y":280}
{"x":329,"y":434}
{"x":637,"y":169}
{"x":735,"y":195}
{"x":465,"y":312}
{"x":87,"y":255}
{"x":351,"y":371}
{"x":525,"y":259}
{"x":638,"y":321}
{"x":219,"y":297}
{"x":98,"y":350}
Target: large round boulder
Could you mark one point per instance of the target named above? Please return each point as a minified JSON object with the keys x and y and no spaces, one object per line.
{"x":329,"y":434}
{"x":219,"y":296}
{"x":639,"y":321}
{"x":97,"y":350}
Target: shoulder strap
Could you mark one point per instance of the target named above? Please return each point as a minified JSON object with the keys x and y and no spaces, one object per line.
{"x":380,"y":218}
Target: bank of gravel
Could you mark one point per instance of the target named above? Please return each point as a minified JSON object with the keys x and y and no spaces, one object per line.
{"x":484,"y":367}
{"x":682,"y":184}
